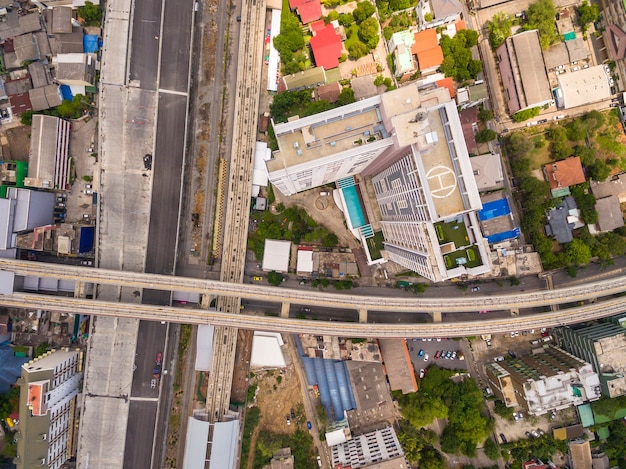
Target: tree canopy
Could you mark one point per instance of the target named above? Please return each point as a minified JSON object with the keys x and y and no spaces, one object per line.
{"x":363,"y":11}
{"x":460,"y":403}
{"x":457,"y":55}
{"x":587,"y":14}
{"x":541,"y":15}
{"x":91,"y":14}
{"x":499,"y":29}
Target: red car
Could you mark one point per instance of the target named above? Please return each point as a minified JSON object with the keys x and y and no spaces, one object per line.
{"x":159,"y":358}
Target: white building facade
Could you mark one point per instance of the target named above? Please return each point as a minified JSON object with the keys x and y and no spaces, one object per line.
{"x":367,"y":449}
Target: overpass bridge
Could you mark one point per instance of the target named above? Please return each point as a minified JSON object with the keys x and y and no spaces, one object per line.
{"x":562,"y":317}
{"x":349,"y":300}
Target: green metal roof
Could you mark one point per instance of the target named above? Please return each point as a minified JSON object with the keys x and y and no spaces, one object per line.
{"x":586,"y":415}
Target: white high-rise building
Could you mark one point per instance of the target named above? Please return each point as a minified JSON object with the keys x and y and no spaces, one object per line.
{"x":49,"y":386}
{"x":339,"y":143}
{"x":428,"y":200}
{"x":368,"y":449}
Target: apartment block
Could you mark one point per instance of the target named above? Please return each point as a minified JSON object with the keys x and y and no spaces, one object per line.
{"x":428,"y":200}
{"x":368,"y":449}
{"x":548,"y":379}
{"x":602,"y":345}
{"x":48,"y":389}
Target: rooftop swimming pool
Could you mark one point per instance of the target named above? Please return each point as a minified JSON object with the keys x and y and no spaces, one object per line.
{"x":353,"y":204}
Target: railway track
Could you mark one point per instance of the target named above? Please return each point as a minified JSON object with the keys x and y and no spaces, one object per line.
{"x":238,"y":190}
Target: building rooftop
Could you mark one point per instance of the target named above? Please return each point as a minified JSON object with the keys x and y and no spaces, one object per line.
{"x":309,"y":11}
{"x":487,"y":170}
{"x":327,"y":133}
{"x":584,"y":86}
{"x":577,"y":49}
{"x":610,"y":214}
{"x":327,"y":47}
{"x":532,"y":68}
{"x":426,"y":48}
{"x":305,"y":79}
{"x":329,"y":92}
{"x":615,"y":185}
{"x":61,"y":20}
{"x":398,"y":365}
{"x":444,"y":8}
{"x":556,"y":55}
{"x":276,"y":255}
{"x":564,"y":173}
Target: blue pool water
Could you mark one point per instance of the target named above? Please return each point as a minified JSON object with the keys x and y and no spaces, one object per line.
{"x":355,"y":212}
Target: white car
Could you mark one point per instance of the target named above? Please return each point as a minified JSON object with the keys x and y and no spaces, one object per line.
{"x":422,"y":373}
{"x":607,"y":69}
{"x":611,"y":81}
{"x":426,"y":357}
{"x":153,"y":383}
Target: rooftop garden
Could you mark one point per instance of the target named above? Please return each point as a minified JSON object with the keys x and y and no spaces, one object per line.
{"x":452,"y":232}
{"x":375,"y":245}
{"x":468,"y":257}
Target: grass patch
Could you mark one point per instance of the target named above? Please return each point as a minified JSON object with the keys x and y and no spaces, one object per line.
{"x":301,"y":444}
{"x":375,"y":245}
{"x":452,"y":232}
{"x":253,"y":416}
{"x":354,"y":36}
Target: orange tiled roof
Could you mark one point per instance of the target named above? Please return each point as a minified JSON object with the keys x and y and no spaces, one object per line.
{"x":565,"y":173}
{"x":447,"y":83}
{"x":459,"y":25}
{"x":424,"y":40}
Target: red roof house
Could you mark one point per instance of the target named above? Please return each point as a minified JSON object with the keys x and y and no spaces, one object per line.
{"x":309,"y":10}
{"x":327,"y":47}
{"x":426,"y":48}
{"x":564,"y":173}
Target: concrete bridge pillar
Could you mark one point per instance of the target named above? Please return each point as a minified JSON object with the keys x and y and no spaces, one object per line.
{"x":436,"y":316}
{"x":363,"y":315}
{"x":284,"y":310}
{"x":205,"y":300}
{"x":514,"y":311}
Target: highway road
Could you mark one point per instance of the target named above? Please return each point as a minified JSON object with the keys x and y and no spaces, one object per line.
{"x":227,"y":320}
{"x":348,"y":300}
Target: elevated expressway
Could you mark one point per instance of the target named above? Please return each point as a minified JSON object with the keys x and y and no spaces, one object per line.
{"x":228,"y":320}
{"x":599,"y":292}
{"x":238,"y":190}
{"x":589,"y":291}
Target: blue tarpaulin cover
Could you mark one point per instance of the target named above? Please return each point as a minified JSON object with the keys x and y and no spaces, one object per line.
{"x":86,"y":239}
{"x":90,"y":43}
{"x":66,"y":92}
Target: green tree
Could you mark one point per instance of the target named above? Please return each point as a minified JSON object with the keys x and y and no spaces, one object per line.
{"x":576,"y":130}
{"x":26,"y":118}
{"x":599,"y":170}
{"x":521,"y":116}
{"x":274,"y":278}
{"x":346,"y":20}
{"x":519,"y":145}
{"x":587,"y":155}
{"x":491,"y":449}
{"x":397,"y":5}
{"x":485,"y":115}
{"x":499,"y":29}
{"x":502,"y":410}
{"x":346,"y":97}
{"x":457,"y":56}
{"x":362,"y":11}
{"x":587,"y":14}
{"x":330,"y":240}
{"x":577,"y":252}
{"x":541,"y":15}
{"x":430,"y":458}
{"x":9,"y":402}
{"x":357,"y":50}
{"x":368,"y":32}
{"x":91,"y":14}
{"x":486,"y":135}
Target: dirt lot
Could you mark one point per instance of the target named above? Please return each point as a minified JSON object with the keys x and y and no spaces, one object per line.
{"x":16,"y":142}
{"x":278,"y":392}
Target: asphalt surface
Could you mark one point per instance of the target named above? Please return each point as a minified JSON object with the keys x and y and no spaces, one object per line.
{"x":144,"y":56}
{"x":167,"y":166}
{"x":175,"y":53}
{"x":139,"y":435}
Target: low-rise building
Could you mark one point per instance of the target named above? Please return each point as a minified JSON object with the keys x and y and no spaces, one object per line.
{"x":562,"y":174}
{"x":523,"y":72}
{"x":48,"y":159}
{"x":48,"y":389}
{"x":370,"y":448}
{"x":546,"y":380}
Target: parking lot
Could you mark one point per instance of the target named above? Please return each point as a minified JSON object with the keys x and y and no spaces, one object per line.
{"x":428,"y":349}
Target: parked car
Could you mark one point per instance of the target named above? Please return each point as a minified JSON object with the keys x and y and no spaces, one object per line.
{"x":308,"y":425}
{"x":542,"y":121}
{"x":256,"y":278}
{"x":88,"y":191}
{"x":159,"y":358}
{"x":541,"y":432}
{"x":512,"y":354}
{"x":86,"y":263}
{"x":503,"y":438}
{"x":288,"y":420}
{"x":147,"y":161}
{"x":293,"y":413}
{"x":88,"y":186}
{"x":475,"y":288}
{"x":426,"y":357}
{"x":535,"y":433}
{"x":529,"y":435}
{"x":437,"y":354}
{"x":515,"y":416}
{"x":421,"y":373}
{"x":153,"y":383}
{"x":420,"y":354}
